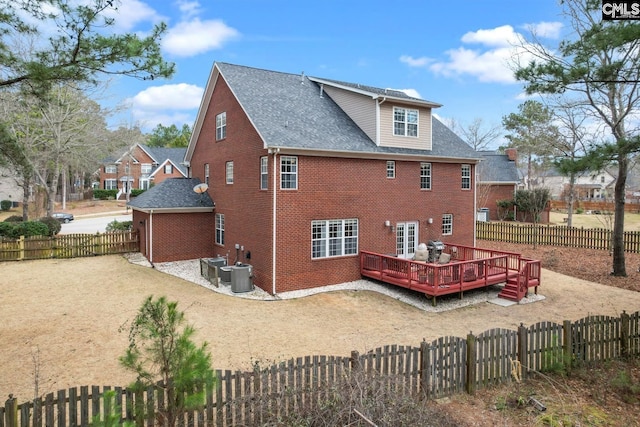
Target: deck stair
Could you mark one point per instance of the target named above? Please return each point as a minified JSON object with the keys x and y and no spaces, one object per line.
{"x":510,"y":290}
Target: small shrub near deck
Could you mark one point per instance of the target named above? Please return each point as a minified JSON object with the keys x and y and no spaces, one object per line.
{"x":116,"y":225}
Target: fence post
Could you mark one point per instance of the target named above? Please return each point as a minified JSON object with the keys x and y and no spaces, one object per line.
{"x":21,"y":248}
{"x":355,"y":361}
{"x":424,"y":369}
{"x":624,"y":334}
{"x":523,"y":349}
{"x":567,"y":347}
{"x":11,"y":412}
{"x":471,"y":363}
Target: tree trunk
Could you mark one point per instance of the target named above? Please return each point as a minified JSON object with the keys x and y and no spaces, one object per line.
{"x":25,"y":198}
{"x":570,"y":198}
{"x":619,"y":268}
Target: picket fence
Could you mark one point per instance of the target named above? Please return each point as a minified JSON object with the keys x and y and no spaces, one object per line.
{"x":68,"y":245}
{"x":555,"y":235}
{"x":443,"y":367}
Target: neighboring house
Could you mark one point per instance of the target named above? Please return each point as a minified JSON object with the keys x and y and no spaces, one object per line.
{"x":307,"y":172}
{"x":498,"y":179}
{"x":592,"y":186}
{"x":9,"y":188}
{"x":141,"y":166}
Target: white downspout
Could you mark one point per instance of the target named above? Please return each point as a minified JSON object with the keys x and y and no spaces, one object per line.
{"x":475,"y":203}
{"x":273,"y":226}
{"x":151,"y":236}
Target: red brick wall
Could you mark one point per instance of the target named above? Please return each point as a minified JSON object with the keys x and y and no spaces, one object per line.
{"x":328,"y":188}
{"x":160,"y":176}
{"x":174,"y":236}
{"x":491,"y":197}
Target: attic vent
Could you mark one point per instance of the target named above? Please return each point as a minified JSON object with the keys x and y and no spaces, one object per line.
{"x":321,"y":91}
{"x":302,"y":77}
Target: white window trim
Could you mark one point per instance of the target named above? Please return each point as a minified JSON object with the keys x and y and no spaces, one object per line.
{"x":229,"y":172}
{"x":406,"y":123}
{"x":206,"y":173}
{"x":465,"y":171}
{"x":144,"y":183}
{"x":221,"y":126}
{"x":264,"y":173}
{"x":168,"y":169}
{"x":429,"y":175}
{"x":146,"y":168}
{"x":219,"y":229}
{"x":111,"y":181}
{"x":293,"y":173}
{"x":111,"y":169}
{"x":325,"y":239}
{"x":447,"y":224}
{"x":391,"y":169}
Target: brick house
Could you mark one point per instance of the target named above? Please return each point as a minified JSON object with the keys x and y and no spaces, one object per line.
{"x":306,"y":172}
{"x":498,"y":179}
{"x":140,"y":167}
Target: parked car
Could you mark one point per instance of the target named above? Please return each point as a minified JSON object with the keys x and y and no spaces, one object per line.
{"x":63,"y":217}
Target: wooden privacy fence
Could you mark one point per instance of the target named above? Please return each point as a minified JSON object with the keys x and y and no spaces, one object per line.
{"x":555,"y":235}
{"x":68,"y":245}
{"x":443,"y":367}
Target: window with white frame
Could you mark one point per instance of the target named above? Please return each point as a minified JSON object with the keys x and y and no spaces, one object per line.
{"x":110,"y":184}
{"x":466,"y":177}
{"x":220,"y":229}
{"x":221,"y":126}
{"x":425,"y":176}
{"x":168,"y":169}
{"x":288,"y":173}
{"x":111,"y":169}
{"x":229,"y":173}
{"x":405,"y":122}
{"x":391,"y":169}
{"x":206,"y":173}
{"x":146,"y":168}
{"x":447,"y":224}
{"x":264,"y":173}
{"x":143,"y":184}
{"x":335,"y":237}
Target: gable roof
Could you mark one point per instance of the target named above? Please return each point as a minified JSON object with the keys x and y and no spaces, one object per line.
{"x":497,"y":168}
{"x":289,"y":112}
{"x":173,"y":195}
{"x":161,"y":154}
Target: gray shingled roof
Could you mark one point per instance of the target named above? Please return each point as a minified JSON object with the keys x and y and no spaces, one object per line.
{"x":496,"y":167}
{"x":379,"y":91}
{"x":173,"y":193}
{"x":289,"y":112}
{"x":160,"y":154}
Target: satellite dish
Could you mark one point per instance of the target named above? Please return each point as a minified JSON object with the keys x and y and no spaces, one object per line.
{"x":200,"y":188}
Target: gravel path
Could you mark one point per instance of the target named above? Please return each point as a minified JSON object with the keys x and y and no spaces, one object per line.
{"x":190,"y":270}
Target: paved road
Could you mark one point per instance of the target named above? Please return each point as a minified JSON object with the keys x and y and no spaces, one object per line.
{"x":91,"y":224}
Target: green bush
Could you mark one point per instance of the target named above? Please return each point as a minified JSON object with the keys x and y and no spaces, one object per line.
{"x":137,"y":192}
{"x":116,"y":225}
{"x":104,"y":194}
{"x":579,"y":211}
{"x":52,"y":224}
{"x":5,"y":205}
{"x":26,"y":229}
{"x":14,"y":218}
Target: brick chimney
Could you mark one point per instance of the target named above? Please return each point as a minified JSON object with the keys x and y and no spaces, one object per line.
{"x":511,"y":153}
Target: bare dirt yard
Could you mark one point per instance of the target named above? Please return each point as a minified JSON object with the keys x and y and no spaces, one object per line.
{"x":64,"y":323}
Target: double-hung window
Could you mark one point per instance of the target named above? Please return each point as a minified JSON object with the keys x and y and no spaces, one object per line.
{"x":110,"y":169}
{"x":405,"y":122}
{"x":110,"y":184}
{"x":447,"y":224}
{"x":289,"y":173}
{"x":391,"y":169}
{"x":220,"y":229}
{"x":264,"y":173}
{"x":145,"y":168}
{"x":206,"y":173}
{"x":168,"y":169}
{"x":221,"y":126}
{"x":335,"y":237}
{"x":229,"y":173}
{"x":466,"y":177}
{"x":425,"y":176}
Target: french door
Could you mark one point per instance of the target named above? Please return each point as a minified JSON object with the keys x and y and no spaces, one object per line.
{"x":406,"y":239}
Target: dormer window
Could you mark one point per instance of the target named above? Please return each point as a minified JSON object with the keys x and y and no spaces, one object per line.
{"x":405,"y":122}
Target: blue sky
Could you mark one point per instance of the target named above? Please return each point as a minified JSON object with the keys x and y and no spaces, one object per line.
{"x":452,"y":53}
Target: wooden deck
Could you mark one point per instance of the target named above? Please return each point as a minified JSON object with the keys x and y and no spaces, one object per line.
{"x":469,"y":268}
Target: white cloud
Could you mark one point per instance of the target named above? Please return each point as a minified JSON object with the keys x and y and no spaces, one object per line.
{"x":179,"y":96}
{"x":188,"y":8}
{"x":415,"y":62}
{"x":195,"y":37}
{"x":132,"y":12}
{"x":499,"y":36}
{"x":549,"y":30}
